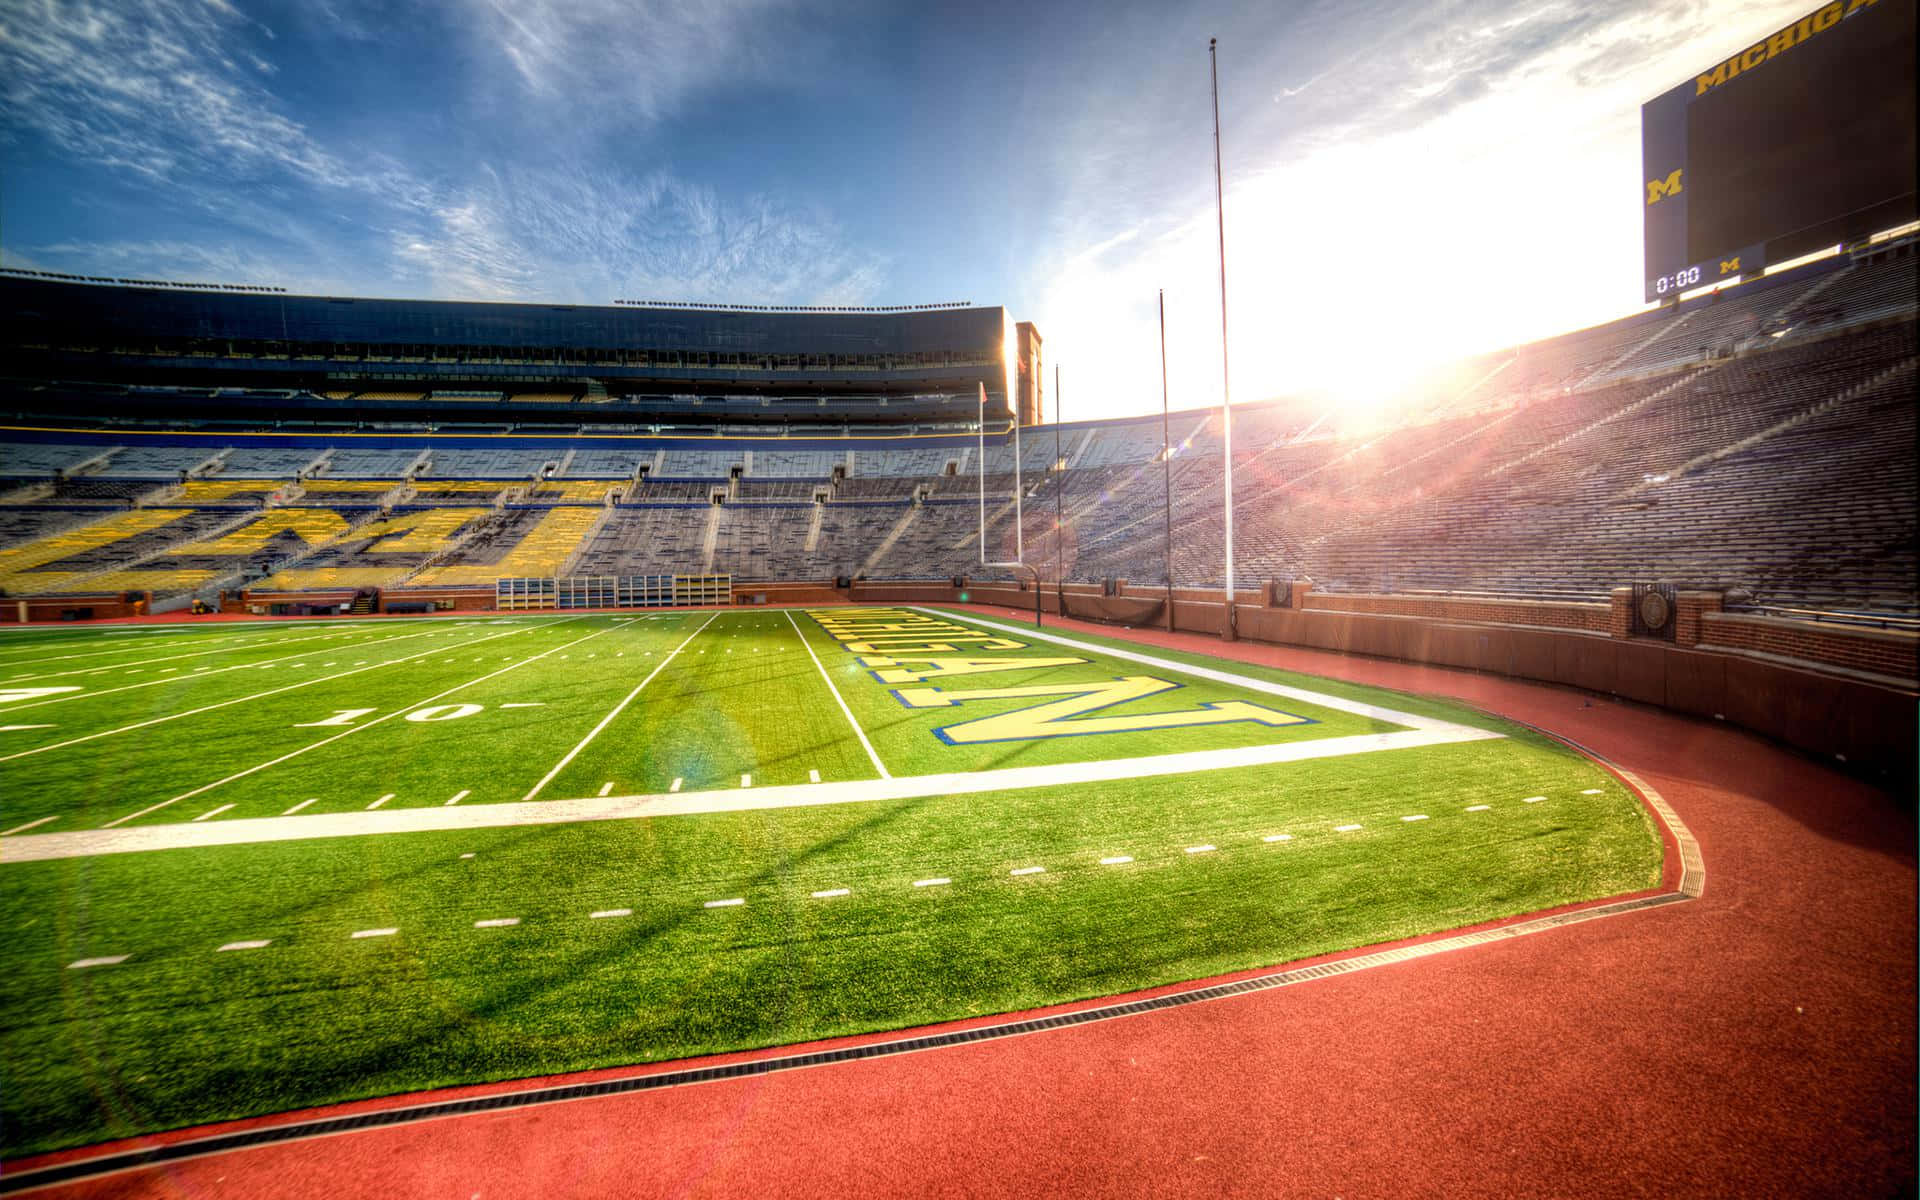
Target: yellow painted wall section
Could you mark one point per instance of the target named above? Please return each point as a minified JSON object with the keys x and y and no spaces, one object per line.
{"x":314,"y":526}
{"x":542,"y":552}
{"x":299,"y":578}
{"x":426,"y":532}
{"x":69,"y":542}
{"x":136,"y":581}
{"x":223,"y":489}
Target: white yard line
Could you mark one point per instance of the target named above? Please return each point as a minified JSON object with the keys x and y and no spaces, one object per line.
{"x":349,"y":732}
{"x":30,"y":825}
{"x":77,"y":843}
{"x":147,"y":662}
{"x":847,"y":712}
{"x":617,"y":709}
{"x":192,"y":712}
{"x":209,"y":674}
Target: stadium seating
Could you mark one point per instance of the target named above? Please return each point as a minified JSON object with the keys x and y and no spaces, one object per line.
{"x":1758,"y":441}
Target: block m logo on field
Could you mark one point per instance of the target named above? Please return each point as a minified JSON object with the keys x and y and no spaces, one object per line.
{"x":1659,"y":189}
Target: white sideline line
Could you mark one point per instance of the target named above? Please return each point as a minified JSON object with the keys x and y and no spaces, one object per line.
{"x":254,"y":945}
{"x":192,"y":712}
{"x":460,"y":795}
{"x":110,"y":961}
{"x":109,"y":840}
{"x":371,"y":933}
{"x":398,"y":712}
{"x":296,"y":808}
{"x":617,"y":710}
{"x":845,"y":711}
{"x":30,"y":825}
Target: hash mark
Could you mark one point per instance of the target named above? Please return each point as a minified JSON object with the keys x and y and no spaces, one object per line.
{"x":1116,"y":860}
{"x":1277,"y":837}
{"x":611,"y":912}
{"x":1478,"y":807}
{"x":496,"y":923}
{"x":1027,"y":871}
{"x":1345,"y":828}
{"x":111,"y":961}
{"x":936,"y":882}
{"x":246,"y":945}
{"x":733,"y":903}
{"x":372,"y":933}
{"x":830,"y":893}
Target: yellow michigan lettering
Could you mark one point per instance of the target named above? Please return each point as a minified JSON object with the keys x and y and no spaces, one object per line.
{"x":1657,"y":189}
{"x":893,"y":672}
{"x":1066,"y":717}
{"x":946,"y":645}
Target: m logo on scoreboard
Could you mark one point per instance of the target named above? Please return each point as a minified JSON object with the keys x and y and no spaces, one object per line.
{"x":1730,"y":266}
{"x":1657,"y":189}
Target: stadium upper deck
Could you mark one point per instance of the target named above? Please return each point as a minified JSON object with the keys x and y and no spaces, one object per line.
{"x":452,"y":358}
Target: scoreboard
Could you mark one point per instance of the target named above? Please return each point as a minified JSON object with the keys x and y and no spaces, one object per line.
{"x":1798,"y":141}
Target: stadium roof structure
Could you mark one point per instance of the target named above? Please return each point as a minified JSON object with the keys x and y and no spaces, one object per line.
{"x":915,"y":364}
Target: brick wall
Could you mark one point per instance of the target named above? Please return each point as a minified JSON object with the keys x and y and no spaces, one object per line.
{"x":1595,"y":618}
{"x":1688,"y":609}
{"x":1891,"y":652}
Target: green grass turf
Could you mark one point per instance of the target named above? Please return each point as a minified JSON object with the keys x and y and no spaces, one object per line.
{"x":181,"y":1033}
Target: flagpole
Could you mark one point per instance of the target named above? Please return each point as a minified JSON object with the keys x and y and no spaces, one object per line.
{"x":1227,"y":623}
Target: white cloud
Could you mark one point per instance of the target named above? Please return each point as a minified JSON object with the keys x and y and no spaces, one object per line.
{"x":580,"y":235}
{"x":149,"y":89}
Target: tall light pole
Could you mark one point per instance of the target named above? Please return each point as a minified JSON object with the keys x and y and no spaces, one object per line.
{"x":1166,"y":457}
{"x":1227,"y":630}
{"x":1059,"y":502}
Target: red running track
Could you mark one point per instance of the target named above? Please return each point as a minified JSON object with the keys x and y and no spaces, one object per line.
{"x":1758,"y":1041}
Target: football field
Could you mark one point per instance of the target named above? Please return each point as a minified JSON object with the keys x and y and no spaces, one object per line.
{"x":247,"y":867}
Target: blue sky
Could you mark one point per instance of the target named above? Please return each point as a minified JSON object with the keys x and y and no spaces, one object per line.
{"x":1406,"y":182}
